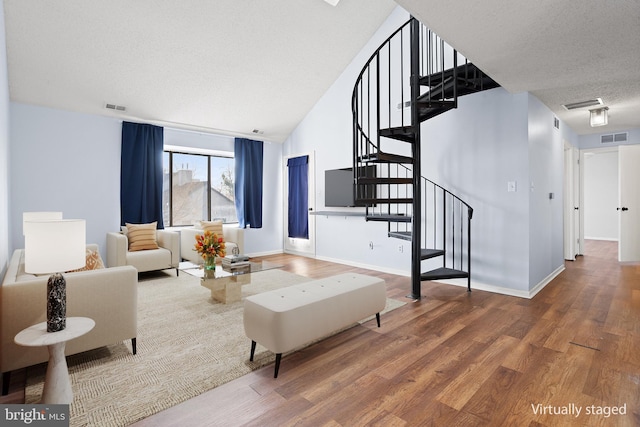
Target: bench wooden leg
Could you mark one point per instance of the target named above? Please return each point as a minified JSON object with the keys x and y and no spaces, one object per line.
{"x":378,"y":319}
{"x":253,"y":350}
{"x":278,"y":358}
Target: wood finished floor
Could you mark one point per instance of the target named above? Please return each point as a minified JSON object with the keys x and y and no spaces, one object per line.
{"x":454,"y":359}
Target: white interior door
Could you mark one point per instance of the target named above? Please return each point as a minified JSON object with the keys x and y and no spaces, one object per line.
{"x":571,"y":202}
{"x":300,"y":246}
{"x":629,"y":203}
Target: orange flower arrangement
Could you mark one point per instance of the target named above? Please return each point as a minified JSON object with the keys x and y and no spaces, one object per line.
{"x":210,"y":245}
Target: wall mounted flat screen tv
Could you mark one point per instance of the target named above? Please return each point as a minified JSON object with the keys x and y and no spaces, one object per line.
{"x":339,"y":186}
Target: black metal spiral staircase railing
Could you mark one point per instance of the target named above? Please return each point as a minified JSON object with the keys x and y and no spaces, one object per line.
{"x":412,"y":77}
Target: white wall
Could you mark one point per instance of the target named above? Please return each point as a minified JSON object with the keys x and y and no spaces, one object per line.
{"x":601,"y":195}
{"x":70,"y":162}
{"x":4,"y":149}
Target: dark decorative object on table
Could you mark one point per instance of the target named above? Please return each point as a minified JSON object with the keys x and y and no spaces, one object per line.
{"x":56,"y":303}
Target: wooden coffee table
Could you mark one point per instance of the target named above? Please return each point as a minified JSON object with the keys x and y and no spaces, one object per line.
{"x":226,"y":286}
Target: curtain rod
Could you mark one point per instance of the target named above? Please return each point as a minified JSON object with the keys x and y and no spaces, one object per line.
{"x":185,"y":127}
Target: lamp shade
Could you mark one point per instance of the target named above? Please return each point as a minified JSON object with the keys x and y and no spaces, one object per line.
{"x":37,"y":216}
{"x":53,"y":246}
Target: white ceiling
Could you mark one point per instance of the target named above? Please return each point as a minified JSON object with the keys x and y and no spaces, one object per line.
{"x":227,"y":66}
{"x":562,"y":51}
{"x":231,"y":66}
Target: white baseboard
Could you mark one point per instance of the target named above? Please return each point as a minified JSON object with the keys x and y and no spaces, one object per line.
{"x":604,"y":239}
{"x":254,"y":254}
{"x":545,"y":281}
{"x":475,"y":285}
{"x":367,"y":266}
{"x":505,"y":291}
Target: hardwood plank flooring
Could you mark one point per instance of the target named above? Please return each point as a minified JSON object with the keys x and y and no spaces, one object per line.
{"x":454,"y":358}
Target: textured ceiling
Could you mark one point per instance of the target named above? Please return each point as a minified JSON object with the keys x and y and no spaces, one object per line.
{"x":228,"y":66}
{"x":231,"y":66}
{"x":562,"y":51}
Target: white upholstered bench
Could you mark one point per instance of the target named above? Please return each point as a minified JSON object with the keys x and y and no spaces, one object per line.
{"x":285,"y":319}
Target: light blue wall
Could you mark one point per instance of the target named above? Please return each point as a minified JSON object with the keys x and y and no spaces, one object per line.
{"x":4,"y":149}
{"x":546,"y":177}
{"x":70,"y":162}
{"x":474,"y":151}
{"x":326,"y":130}
{"x":492,"y":138}
{"x":593,"y":141}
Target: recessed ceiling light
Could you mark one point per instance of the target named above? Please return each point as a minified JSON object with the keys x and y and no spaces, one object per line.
{"x":332,"y":2}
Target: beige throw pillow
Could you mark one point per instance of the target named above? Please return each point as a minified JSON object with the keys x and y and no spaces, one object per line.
{"x":93,"y":262}
{"x":213,"y":226}
{"x":142,"y":236}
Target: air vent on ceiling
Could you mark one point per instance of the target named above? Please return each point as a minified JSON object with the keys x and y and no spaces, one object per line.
{"x":258,"y":131}
{"x":614,"y":138}
{"x":583,"y":104}
{"x":115,"y":107}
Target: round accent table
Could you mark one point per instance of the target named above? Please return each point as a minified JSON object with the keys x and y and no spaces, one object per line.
{"x":57,"y":386}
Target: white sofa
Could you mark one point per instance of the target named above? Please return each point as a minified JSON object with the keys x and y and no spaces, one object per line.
{"x":166,"y":256}
{"x":109,"y":296}
{"x":233,"y":237}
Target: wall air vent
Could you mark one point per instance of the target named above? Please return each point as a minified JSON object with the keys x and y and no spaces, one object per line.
{"x":115,"y":107}
{"x":614,"y":138}
{"x":556,"y":123}
{"x":583,"y":104}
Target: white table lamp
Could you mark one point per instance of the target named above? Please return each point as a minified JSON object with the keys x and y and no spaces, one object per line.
{"x":38,"y":216}
{"x":55,"y":246}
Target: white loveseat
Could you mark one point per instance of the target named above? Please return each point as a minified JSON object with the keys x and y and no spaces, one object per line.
{"x":233,"y":237}
{"x":166,"y":256}
{"x":109,"y":296}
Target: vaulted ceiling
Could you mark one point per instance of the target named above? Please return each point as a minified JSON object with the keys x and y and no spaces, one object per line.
{"x":562,"y":51}
{"x":232,"y":66}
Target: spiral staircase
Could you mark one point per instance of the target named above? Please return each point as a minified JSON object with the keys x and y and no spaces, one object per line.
{"x":412,"y":77}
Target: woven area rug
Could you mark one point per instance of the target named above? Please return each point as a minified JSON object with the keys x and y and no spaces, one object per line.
{"x":187,"y":344}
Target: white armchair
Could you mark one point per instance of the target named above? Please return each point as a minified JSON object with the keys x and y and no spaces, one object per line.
{"x":166,"y":256}
{"x":233,"y":237}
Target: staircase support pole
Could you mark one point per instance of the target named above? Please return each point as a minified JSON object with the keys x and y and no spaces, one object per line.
{"x":416,"y":226}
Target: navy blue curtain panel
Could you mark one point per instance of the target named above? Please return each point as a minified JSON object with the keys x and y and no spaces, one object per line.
{"x":248,"y":185}
{"x":298,"y":168}
{"x":141,"y":174}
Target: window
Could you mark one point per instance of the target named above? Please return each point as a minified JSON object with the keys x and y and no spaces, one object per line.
{"x":199,"y":187}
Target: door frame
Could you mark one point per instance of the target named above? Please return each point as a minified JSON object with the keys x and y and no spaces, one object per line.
{"x":572,"y":211}
{"x":297,"y":246}
{"x":583,"y":152}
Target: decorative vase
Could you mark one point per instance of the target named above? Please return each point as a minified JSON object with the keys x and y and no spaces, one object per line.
{"x":56,"y":303}
{"x":210,"y":267}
